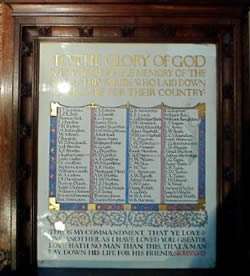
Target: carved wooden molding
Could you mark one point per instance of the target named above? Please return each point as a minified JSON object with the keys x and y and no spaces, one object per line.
{"x":86,"y":31}
{"x":166,"y":30}
{"x":228,"y":174}
{"x":228,"y":46}
{"x":27,"y":48}
{"x":24,"y":172}
{"x":24,"y":213}
{"x":228,"y":92}
{"x":128,"y":31}
{"x":26,"y":89}
{"x":45,"y":31}
{"x":25,"y":131}
{"x":210,"y":32}
{"x":4,"y":259}
{"x":228,"y":132}
{"x":91,"y":8}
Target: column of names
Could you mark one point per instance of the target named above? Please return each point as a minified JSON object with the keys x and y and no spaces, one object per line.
{"x":73,"y":144}
{"x":144,"y":155}
{"x":132,"y":156}
{"x":109,"y":155}
{"x":181,"y":156}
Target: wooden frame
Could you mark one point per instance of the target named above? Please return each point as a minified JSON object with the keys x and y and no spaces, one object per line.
{"x":23,"y":24}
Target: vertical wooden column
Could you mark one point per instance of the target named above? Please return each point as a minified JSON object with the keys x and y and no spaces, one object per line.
{"x":7,"y":170}
{"x":27,"y":144}
{"x":0,"y":37}
{"x":229,"y":213}
{"x":244,"y":196}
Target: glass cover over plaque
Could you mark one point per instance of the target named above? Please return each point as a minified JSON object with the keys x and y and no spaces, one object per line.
{"x":127,"y":155}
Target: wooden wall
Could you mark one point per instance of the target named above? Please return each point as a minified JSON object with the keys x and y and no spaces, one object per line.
{"x":0,"y":36}
{"x":5,"y":212}
{"x":229,"y":21}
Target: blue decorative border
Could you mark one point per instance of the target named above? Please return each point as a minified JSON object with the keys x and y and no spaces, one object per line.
{"x":53,"y":156}
{"x":136,"y":219}
{"x":202,"y":157}
{"x":73,"y":206}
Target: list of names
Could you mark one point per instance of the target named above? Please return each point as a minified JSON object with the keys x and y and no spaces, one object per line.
{"x":73,"y":143}
{"x":127,"y":155}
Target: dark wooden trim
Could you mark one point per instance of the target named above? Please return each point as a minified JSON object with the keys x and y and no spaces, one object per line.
{"x":170,"y":2}
{"x":246,"y":134}
{"x":15,"y":107}
{"x":85,"y":31}
{"x":7,"y":149}
{"x":123,"y":10}
{"x":112,"y":21}
{"x":35,"y":103}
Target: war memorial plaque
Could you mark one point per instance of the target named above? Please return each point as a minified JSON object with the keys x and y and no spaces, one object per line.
{"x":127,"y":155}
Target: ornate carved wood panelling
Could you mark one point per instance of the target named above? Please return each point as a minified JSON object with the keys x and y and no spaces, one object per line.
{"x":128,"y":31}
{"x":228,"y":92}
{"x":210,"y":32}
{"x":24,"y":172}
{"x":86,"y":31}
{"x":228,"y":46}
{"x":4,"y":259}
{"x":26,"y":89}
{"x":228,"y":174}
{"x":44,"y":31}
{"x":25,"y":131}
{"x":166,"y":30}
{"x":122,"y":23}
{"x":228,"y":132}
{"x":27,"y":48}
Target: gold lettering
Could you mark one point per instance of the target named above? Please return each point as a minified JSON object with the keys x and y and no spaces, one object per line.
{"x":180,"y":92}
{"x":58,"y":60}
{"x":142,"y":92}
{"x":126,"y":60}
{"x":94,"y":60}
{"x":189,"y":61}
{"x":177,"y":61}
{"x":126,"y":74}
{"x":200,"y":61}
{"x":160,"y":61}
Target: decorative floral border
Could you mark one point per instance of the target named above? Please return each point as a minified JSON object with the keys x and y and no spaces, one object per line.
{"x":137,"y":219}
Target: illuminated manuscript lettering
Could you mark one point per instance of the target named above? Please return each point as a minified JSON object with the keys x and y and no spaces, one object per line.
{"x":126,"y":155}
{"x":127,"y":169}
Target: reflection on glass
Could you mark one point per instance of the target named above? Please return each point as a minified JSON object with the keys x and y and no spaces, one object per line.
{"x":63,"y":87}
